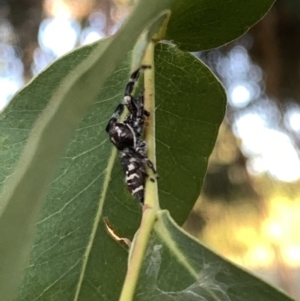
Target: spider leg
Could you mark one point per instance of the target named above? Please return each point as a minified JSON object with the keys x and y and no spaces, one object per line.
{"x":115,"y":116}
{"x":133,"y":78}
{"x":129,"y":100}
{"x":151,"y":166}
{"x":136,"y":118}
{"x":130,"y":85}
{"x":140,"y":100}
{"x":141,"y":153}
{"x":146,"y":113}
{"x":139,"y":110}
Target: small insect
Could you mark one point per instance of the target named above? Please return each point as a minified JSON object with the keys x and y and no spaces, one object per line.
{"x":127,"y":136}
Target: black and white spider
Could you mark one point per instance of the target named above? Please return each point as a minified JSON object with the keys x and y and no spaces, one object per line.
{"x":127,"y":136}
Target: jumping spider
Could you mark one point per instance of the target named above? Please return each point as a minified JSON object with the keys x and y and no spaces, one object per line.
{"x":127,"y":136}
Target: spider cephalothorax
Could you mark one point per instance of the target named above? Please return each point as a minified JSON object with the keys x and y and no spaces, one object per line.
{"x":127,"y":136}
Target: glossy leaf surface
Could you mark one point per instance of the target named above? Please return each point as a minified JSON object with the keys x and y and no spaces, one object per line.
{"x":200,"y":25}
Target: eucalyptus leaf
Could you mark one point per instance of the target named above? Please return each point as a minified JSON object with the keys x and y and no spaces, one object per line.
{"x":24,"y":190}
{"x":71,"y":234}
{"x":178,"y":268}
{"x":200,"y":25}
{"x":68,"y":106}
{"x":190,"y":108}
{"x":67,"y":226}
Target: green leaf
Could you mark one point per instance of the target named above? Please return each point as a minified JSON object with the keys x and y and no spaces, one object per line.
{"x":68,"y":229}
{"x":178,"y":268}
{"x":206,"y":24}
{"x":69,"y":101}
{"x":21,"y":199}
{"x":73,"y":255}
{"x":69,"y":220}
{"x":190,"y":108}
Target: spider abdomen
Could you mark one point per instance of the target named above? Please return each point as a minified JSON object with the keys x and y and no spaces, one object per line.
{"x":135,"y":175}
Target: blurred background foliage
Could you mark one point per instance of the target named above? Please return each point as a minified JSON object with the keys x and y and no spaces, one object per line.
{"x":249,"y":209}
